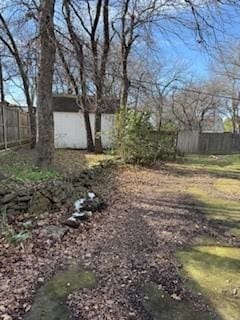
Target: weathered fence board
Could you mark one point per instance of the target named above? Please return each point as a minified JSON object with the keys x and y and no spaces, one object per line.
{"x":187,"y":143}
{"x":208,"y":143}
{"x":1,"y":127}
{"x":14,"y":127}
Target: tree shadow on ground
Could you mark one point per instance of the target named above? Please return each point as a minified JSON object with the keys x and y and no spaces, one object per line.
{"x":154,"y":236}
{"x":214,"y":270}
{"x":136,"y":244}
{"x":216,"y":217}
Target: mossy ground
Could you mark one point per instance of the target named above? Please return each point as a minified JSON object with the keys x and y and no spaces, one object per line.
{"x":222,"y":210}
{"x":210,"y":267}
{"x":214,"y":270}
{"x":50,"y":301}
{"x":214,"y":164}
{"x":229,"y":186}
{"x":162,"y":307}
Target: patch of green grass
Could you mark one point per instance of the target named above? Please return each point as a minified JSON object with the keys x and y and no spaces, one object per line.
{"x":215,"y":271}
{"x":225,"y":211}
{"x":163,"y":307}
{"x":20,"y":165}
{"x":27,"y":173}
{"x":229,"y":186}
{"x":65,"y":282}
{"x":214,"y":164}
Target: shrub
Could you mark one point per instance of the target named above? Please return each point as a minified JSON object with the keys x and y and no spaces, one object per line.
{"x":136,"y":141}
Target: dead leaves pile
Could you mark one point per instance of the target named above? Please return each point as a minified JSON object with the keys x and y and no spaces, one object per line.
{"x":125,"y":246}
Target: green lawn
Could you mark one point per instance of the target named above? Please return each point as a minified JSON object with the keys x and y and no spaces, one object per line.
{"x":162,"y":306}
{"x":218,"y":207}
{"x":220,"y":196}
{"x":214,"y":271}
{"x":214,"y":164}
{"x":212,"y":268}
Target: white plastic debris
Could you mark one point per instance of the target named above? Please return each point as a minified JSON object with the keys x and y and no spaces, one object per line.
{"x":78,"y":214}
{"x":91,"y":195}
{"x":79,"y":204}
{"x":72,"y":219}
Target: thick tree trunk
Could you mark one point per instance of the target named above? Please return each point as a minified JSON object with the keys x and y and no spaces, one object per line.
{"x":98,"y":128}
{"x":99,"y":70}
{"x":124,"y":84}
{"x":98,"y":116}
{"x":2,"y":96}
{"x":90,"y":145}
{"x":234,"y":125}
{"x":45,"y":144}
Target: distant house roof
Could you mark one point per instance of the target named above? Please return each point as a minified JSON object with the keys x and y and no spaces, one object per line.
{"x":67,"y":103}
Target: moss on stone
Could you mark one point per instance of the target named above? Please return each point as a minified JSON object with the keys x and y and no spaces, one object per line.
{"x":50,"y":301}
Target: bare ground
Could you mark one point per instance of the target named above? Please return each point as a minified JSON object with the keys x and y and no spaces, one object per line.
{"x":131,"y":243}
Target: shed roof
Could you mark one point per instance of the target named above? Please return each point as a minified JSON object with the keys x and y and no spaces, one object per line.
{"x":68,"y":103}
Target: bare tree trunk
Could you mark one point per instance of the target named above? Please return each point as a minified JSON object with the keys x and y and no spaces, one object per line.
{"x":235,"y":105}
{"x":78,"y":47}
{"x":99,"y":60}
{"x":125,"y":83}
{"x":98,"y":128}
{"x":98,"y":116}
{"x":234,"y":124}
{"x":160,"y":118}
{"x":100,"y":74}
{"x":97,"y":75}
{"x":90,"y":145}
{"x":1,"y":82}
{"x":45,"y":144}
{"x":201,"y":121}
{"x":83,"y":100}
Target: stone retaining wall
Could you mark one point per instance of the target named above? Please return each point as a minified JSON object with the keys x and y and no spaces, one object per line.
{"x":49,"y":195}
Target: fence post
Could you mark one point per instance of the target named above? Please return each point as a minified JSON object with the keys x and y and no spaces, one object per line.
{"x":4,"y":126}
{"x":19,"y":128}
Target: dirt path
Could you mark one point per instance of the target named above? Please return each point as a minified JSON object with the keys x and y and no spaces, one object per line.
{"x":136,"y":242}
{"x":130,"y":244}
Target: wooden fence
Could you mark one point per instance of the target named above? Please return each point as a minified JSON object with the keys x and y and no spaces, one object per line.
{"x":208,"y":143}
{"x":14,"y":127}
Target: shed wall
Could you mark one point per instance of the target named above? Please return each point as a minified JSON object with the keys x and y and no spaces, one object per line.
{"x":69,"y":129}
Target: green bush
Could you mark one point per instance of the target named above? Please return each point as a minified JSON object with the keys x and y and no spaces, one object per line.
{"x":136,"y":141}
